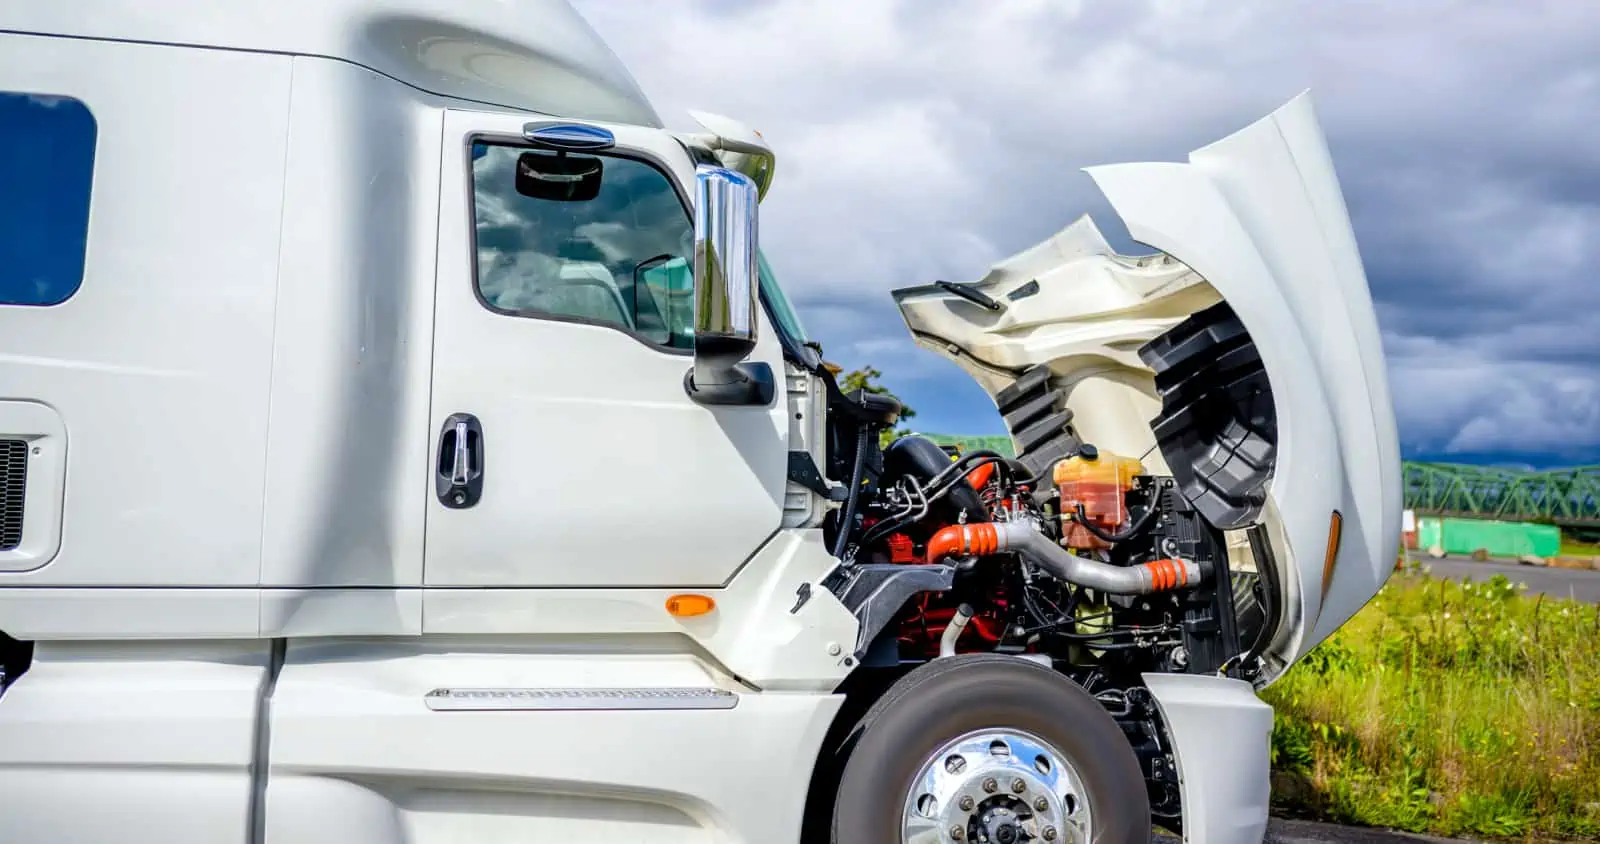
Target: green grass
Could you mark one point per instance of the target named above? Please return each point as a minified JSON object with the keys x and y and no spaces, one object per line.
{"x":1574,"y":548}
{"x":1449,"y":709}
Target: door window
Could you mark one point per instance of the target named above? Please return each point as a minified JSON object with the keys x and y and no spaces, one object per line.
{"x":600,"y":239}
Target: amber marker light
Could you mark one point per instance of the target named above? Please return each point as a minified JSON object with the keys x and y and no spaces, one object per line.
{"x":1335,"y":531}
{"x":689,"y":606}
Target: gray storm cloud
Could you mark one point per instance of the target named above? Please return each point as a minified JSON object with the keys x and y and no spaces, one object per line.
{"x":925,"y":140}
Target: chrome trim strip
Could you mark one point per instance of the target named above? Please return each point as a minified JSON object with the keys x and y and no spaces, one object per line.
{"x":471,"y":700}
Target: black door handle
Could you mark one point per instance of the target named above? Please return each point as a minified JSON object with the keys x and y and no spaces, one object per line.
{"x":458,"y":477}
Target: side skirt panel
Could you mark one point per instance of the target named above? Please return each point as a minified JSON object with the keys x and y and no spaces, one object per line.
{"x":359,"y":755}
{"x":131,"y":742}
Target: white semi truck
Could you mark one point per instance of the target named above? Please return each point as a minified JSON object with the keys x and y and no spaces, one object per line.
{"x":403,"y":439}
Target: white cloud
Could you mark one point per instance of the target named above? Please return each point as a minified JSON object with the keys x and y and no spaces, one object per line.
{"x":1461,"y":404}
{"x":922,"y":140}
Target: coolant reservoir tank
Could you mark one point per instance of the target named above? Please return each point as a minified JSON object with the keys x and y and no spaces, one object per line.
{"x":1099,"y":481}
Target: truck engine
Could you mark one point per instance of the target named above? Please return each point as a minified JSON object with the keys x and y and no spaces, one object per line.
{"x":1078,"y":559}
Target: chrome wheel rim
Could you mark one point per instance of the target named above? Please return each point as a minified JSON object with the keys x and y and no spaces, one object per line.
{"x":996,"y":786}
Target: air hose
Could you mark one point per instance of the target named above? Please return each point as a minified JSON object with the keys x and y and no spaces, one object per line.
{"x":841,"y":541}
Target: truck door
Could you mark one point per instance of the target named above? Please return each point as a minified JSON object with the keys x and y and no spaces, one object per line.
{"x":566,"y":452}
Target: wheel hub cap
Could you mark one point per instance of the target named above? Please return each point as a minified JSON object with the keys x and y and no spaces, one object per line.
{"x":996,"y":787}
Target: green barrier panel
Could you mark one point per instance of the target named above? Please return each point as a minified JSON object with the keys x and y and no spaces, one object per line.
{"x":1498,"y":539}
{"x":1428,"y":532}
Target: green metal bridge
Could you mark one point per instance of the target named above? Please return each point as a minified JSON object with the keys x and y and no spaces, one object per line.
{"x":1566,"y":497}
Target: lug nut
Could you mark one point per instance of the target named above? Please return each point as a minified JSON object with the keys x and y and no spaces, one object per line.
{"x":967,"y":804}
{"x":1041,"y":805}
{"x":957,"y":833}
{"x":1018,"y":786}
{"x":990,"y":786}
{"x":1049,"y":833}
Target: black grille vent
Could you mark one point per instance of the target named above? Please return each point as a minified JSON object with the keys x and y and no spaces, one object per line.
{"x":1040,"y":424}
{"x":13,"y":484}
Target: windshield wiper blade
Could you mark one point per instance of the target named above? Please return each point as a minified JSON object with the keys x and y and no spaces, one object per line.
{"x":973,"y":295}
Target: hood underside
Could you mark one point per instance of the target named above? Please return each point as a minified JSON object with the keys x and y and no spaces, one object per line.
{"x":1240,"y":357}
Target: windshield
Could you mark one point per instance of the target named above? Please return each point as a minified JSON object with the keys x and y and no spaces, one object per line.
{"x":783,"y":313}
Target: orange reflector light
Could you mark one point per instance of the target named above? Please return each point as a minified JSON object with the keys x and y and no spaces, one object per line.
{"x":1335,"y":530}
{"x":686,"y":606}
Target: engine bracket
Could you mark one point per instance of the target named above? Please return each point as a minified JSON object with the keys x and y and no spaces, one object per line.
{"x":803,"y":471}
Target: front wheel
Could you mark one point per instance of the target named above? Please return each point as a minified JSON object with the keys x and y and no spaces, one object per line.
{"x":989,"y":749}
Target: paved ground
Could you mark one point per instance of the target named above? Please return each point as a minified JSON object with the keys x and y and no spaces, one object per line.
{"x":1557,"y":583}
{"x":1301,"y":832}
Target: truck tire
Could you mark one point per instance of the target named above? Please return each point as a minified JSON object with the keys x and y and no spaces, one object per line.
{"x":968,"y":749}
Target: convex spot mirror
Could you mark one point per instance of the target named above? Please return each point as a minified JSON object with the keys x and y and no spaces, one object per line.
{"x":726,"y":292}
{"x":559,"y":177}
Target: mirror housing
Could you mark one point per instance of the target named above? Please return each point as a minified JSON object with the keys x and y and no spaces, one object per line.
{"x":726,"y":292}
{"x":739,"y":148}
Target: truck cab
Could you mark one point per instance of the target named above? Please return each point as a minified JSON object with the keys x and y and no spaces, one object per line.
{"x":404,"y":438}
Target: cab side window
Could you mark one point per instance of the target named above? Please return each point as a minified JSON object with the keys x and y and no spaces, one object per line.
{"x":47,"y":146}
{"x":600,"y":239}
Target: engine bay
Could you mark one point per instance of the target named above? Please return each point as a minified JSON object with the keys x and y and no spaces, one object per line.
{"x":1079,"y":559}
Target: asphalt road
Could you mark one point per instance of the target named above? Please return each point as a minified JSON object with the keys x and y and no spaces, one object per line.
{"x":1302,"y":832}
{"x":1557,"y":583}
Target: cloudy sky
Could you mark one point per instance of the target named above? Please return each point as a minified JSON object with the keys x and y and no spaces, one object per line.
{"x":924,"y":140}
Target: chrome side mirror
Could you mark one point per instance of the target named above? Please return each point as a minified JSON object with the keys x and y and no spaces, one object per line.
{"x":726,"y":292}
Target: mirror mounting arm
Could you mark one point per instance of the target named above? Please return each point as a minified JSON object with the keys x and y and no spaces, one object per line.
{"x":752,"y":383}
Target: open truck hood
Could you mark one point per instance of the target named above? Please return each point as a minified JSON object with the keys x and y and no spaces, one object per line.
{"x":1243,"y":358}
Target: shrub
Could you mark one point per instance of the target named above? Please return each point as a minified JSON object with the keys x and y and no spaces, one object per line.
{"x":1447,"y":708}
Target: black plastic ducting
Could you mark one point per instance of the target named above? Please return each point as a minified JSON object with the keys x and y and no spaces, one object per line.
{"x":923,"y":459}
{"x":1039,"y":423}
{"x":1218,"y":428}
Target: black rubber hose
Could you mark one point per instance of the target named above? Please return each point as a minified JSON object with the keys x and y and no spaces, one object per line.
{"x":918,"y":457}
{"x":942,"y":483}
{"x":856,"y":471}
{"x":1132,"y":531}
{"x":933,"y":493}
{"x":956,"y":466}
